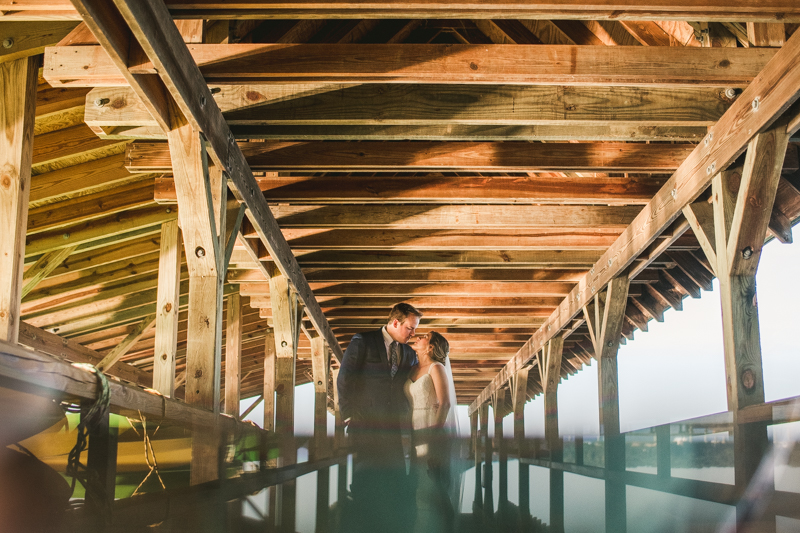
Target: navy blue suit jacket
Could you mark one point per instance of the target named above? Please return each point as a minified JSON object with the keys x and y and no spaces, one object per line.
{"x":368,"y":395}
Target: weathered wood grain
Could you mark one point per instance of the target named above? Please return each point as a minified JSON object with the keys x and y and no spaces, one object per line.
{"x":167,"y":305}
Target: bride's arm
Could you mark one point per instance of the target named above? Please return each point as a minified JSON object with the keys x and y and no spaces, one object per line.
{"x":439,"y":377}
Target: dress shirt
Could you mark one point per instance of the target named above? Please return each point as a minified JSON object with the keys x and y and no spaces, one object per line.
{"x":387,"y":342}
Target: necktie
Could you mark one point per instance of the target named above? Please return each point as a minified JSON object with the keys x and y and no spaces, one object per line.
{"x":394,"y":349}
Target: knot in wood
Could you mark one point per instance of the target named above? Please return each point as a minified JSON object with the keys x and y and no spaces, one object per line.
{"x":748,"y":380}
{"x":163,"y":357}
{"x":198,"y":373}
{"x":168,"y":307}
{"x":5,"y":181}
{"x":473,"y":66}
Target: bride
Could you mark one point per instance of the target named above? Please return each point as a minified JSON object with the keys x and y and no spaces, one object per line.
{"x":431,"y":394}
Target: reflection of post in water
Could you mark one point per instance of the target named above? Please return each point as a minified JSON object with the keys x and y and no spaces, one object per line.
{"x":477,"y":503}
{"x":549,"y":363}
{"x":519,"y":395}
{"x":488,"y":496}
{"x":499,"y":408}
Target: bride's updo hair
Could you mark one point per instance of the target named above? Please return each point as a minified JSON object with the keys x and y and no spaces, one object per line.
{"x":440,"y":348}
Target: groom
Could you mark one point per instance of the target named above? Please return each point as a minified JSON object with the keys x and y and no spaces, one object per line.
{"x":374,"y":369}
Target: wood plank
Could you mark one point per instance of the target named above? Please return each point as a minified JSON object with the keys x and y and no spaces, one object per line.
{"x":340,"y":9}
{"x":269,"y":380}
{"x":497,"y":258}
{"x":450,"y":216}
{"x":114,"y":355}
{"x":386,"y":104}
{"x":43,"y":267}
{"x":63,"y":144}
{"x":233,"y":355}
{"x":283,"y":307}
{"x":66,"y":349}
{"x":432,"y":63}
{"x":26,"y":39}
{"x":432,"y":156}
{"x":776,"y":89}
{"x":167,"y":305}
{"x":17,"y":109}
{"x":320,"y":362}
{"x":437,"y":188}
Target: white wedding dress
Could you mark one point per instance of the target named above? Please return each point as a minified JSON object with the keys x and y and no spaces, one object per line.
{"x":434,"y":511}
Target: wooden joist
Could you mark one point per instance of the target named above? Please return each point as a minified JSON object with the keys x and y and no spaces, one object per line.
{"x":435,"y":156}
{"x":425,"y":63}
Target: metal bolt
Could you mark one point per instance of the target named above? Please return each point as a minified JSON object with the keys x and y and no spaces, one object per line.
{"x":66,"y":236}
{"x":609,"y":262}
{"x":202,"y":100}
{"x":730,"y":92}
{"x":713,"y":167}
{"x":100,"y":102}
{"x":319,"y":383}
{"x":8,"y":42}
{"x":610,"y":344}
{"x":592,"y":271}
{"x":756,"y":102}
{"x":199,"y":252}
{"x":169,"y":210}
{"x":548,"y":327}
{"x":747,"y":253}
{"x":674,"y":193}
{"x":284,"y":344}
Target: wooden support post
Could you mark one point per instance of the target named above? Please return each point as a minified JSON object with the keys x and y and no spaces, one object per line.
{"x":323,"y":495}
{"x":549,"y":364}
{"x":284,"y":319}
{"x":338,"y":434}
{"x":101,"y":464}
{"x":43,"y":267}
{"x":166,"y":342}
{"x":116,"y":353}
{"x":605,"y":317}
{"x":17,"y":112}
{"x":201,"y":198}
{"x":233,"y":355}
{"x":320,"y":364}
{"x":269,"y":380}
{"x":499,"y":401}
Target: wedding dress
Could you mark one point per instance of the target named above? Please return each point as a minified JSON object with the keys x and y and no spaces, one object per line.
{"x":430,"y":467}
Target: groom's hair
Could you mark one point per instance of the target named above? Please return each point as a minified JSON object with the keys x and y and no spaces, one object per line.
{"x":401,"y":311}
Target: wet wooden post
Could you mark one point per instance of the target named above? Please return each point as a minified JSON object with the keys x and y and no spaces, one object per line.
{"x":579,"y":450}
{"x":18,"y":81}
{"x":323,"y":495}
{"x":519,"y":396}
{"x":499,"y":409}
{"x":477,"y":503}
{"x":549,"y":364}
{"x":320,"y":363}
{"x":604,"y":317}
{"x":339,"y":443}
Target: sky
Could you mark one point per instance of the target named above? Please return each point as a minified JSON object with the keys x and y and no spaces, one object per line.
{"x":675,"y":371}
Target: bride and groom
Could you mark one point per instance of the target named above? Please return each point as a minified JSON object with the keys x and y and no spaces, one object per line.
{"x":392,"y":381}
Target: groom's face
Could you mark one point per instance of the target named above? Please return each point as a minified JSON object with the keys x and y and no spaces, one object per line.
{"x":403,"y":331}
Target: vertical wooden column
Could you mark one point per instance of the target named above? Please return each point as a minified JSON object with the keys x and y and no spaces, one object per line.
{"x":201,"y":196}
{"x":319,"y":367}
{"x":742,"y":200}
{"x":499,"y":404}
{"x":605,"y":317}
{"x":233,"y":355}
{"x":17,"y":113}
{"x":167,"y":303}
{"x":284,"y":319}
{"x":269,"y":380}
{"x":519,"y":396}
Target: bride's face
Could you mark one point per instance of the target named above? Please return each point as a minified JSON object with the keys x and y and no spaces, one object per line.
{"x":422,"y":344}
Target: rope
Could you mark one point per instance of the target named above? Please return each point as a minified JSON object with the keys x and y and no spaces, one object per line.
{"x":95,"y":415}
{"x":149,"y":454}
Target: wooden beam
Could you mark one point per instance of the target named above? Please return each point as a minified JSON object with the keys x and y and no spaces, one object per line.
{"x":433,"y":156}
{"x":428,"y":63}
{"x":114,"y":355}
{"x":233,"y":355}
{"x":283,"y":306}
{"x":419,"y":105}
{"x":167,"y":305}
{"x":43,"y":267}
{"x":17,"y":108}
{"x":25,"y":39}
{"x":759,"y":106}
{"x":269,"y":380}
{"x":436,"y":188}
{"x":502,"y":9}
{"x":62,"y":348}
